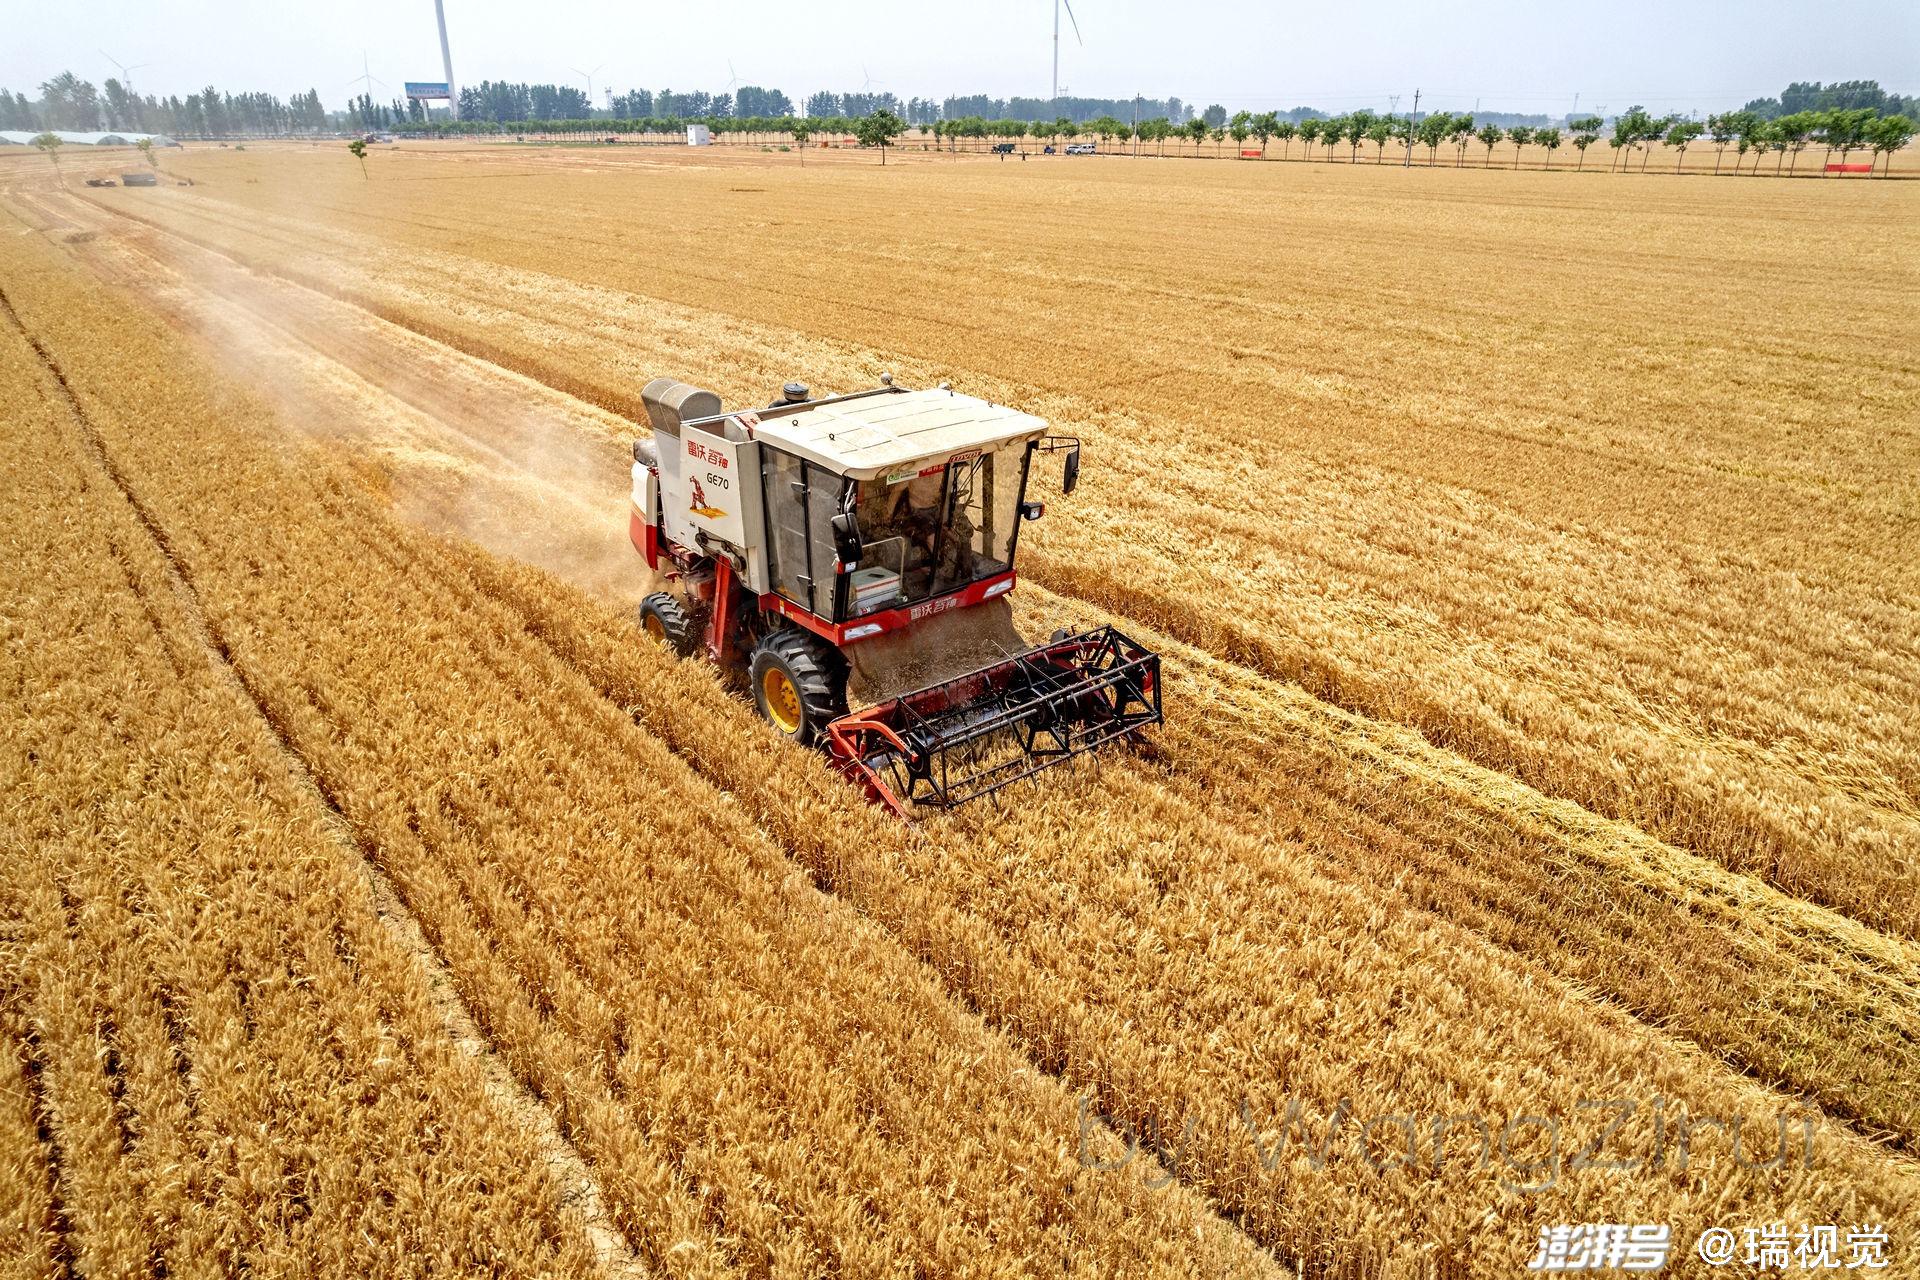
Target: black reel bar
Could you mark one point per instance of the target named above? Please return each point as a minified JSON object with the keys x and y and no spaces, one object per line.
{"x":969,"y":737}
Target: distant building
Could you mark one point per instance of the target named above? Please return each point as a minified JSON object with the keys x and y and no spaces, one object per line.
{"x":698,"y":135}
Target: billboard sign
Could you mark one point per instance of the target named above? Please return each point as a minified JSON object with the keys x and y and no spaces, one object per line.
{"x":427,"y":91}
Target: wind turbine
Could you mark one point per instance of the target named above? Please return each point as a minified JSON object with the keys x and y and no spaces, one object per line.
{"x":735,"y":74}
{"x":1056,"y":41}
{"x":126,"y":72}
{"x":366,"y":76}
{"x":588,"y":77}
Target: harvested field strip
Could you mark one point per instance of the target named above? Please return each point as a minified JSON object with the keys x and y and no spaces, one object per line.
{"x":1792,"y":993}
{"x":222,"y":1060}
{"x":1788,"y":992}
{"x":648,"y":962}
{"x":1182,"y":968}
{"x":1749,"y":712}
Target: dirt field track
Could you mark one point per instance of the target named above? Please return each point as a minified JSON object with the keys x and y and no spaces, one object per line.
{"x":1532,"y":555}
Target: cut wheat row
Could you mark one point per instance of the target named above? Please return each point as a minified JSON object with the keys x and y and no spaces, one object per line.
{"x":216,"y":1059}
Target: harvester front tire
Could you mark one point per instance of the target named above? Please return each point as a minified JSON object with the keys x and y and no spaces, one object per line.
{"x":799,"y":684}
{"x":665,"y":619}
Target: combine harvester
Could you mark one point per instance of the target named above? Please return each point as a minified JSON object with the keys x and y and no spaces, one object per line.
{"x":793,"y":533}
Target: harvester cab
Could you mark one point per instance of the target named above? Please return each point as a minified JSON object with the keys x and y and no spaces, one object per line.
{"x":790,"y":533}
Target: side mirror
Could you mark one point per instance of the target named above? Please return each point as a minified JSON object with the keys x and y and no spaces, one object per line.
{"x":846,"y":539}
{"x":1071,"y":475}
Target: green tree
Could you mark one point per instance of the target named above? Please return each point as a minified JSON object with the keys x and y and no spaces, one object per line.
{"x":802,"y":131}
{"x":1629,"y":130}
{"x":1846,"y":131}
{"x":1720,"y":131}
{"x":49,"y":144}
{"x":1197,"y":129}
{"x":1356,"y":132}
{"x":1586,"y":132}
{"x":1264,"y":126}
{"x":146,"y":152}
{"x":1240,"y":127}
{"x":878,"y":129}
{"x":1656,"y":131}
{"x":1432,"y":131}
{"x":1680,"y":136}
{"x":1490,"y":136}
{"x":1550,"y":139}
{"x":1754,"y":134}
{"x":1460,"y":133}
{"x":1519,"y":136}
{"x":1310,"y":134}
{"x":359,"y":149}
{"x":1285,"y":130}
{"x":1378,"y":133}
{"x":1331,"y":131}
{"x":1887,"y":135}
{"x":1796,"y":130}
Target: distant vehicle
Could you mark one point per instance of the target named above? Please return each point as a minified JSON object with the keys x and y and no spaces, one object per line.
{"x":139,"y":180}
{"x":99,"y":182}
{"x":1083,"y":148}
{"x":1003,"y":148}
{"x":371,"y":137}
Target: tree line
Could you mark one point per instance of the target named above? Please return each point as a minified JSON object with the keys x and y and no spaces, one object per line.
{"x":67,"y":102}
{"x":1843,"y":117}
{"x":1344,"y":136}
{"x":1842,"y":95}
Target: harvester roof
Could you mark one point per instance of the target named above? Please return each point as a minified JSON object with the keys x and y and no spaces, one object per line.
{"x":875,"y":435}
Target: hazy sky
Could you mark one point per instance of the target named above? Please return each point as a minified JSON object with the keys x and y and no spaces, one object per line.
{"x":1518,"y":55}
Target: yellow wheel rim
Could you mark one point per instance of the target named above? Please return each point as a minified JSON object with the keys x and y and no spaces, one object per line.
{"x":782,"y":699}
{"x":654,"y":627}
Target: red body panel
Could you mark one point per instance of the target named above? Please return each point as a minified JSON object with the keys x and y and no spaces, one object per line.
{"x":720,"y":619}
{"x":645,"y":538}
{"x":891,"y":619}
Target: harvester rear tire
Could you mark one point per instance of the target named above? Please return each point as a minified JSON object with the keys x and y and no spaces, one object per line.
{"x":665,"y":619}
{"x":799,"y":684}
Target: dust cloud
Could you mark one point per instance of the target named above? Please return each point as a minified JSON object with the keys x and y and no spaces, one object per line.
{"x":458,"y":445}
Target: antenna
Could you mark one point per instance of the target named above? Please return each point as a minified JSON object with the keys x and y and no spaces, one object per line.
{"x":1056,"y":41}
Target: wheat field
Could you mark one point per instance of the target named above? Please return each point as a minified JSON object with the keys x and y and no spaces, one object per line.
{"x":1530,"y":555}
